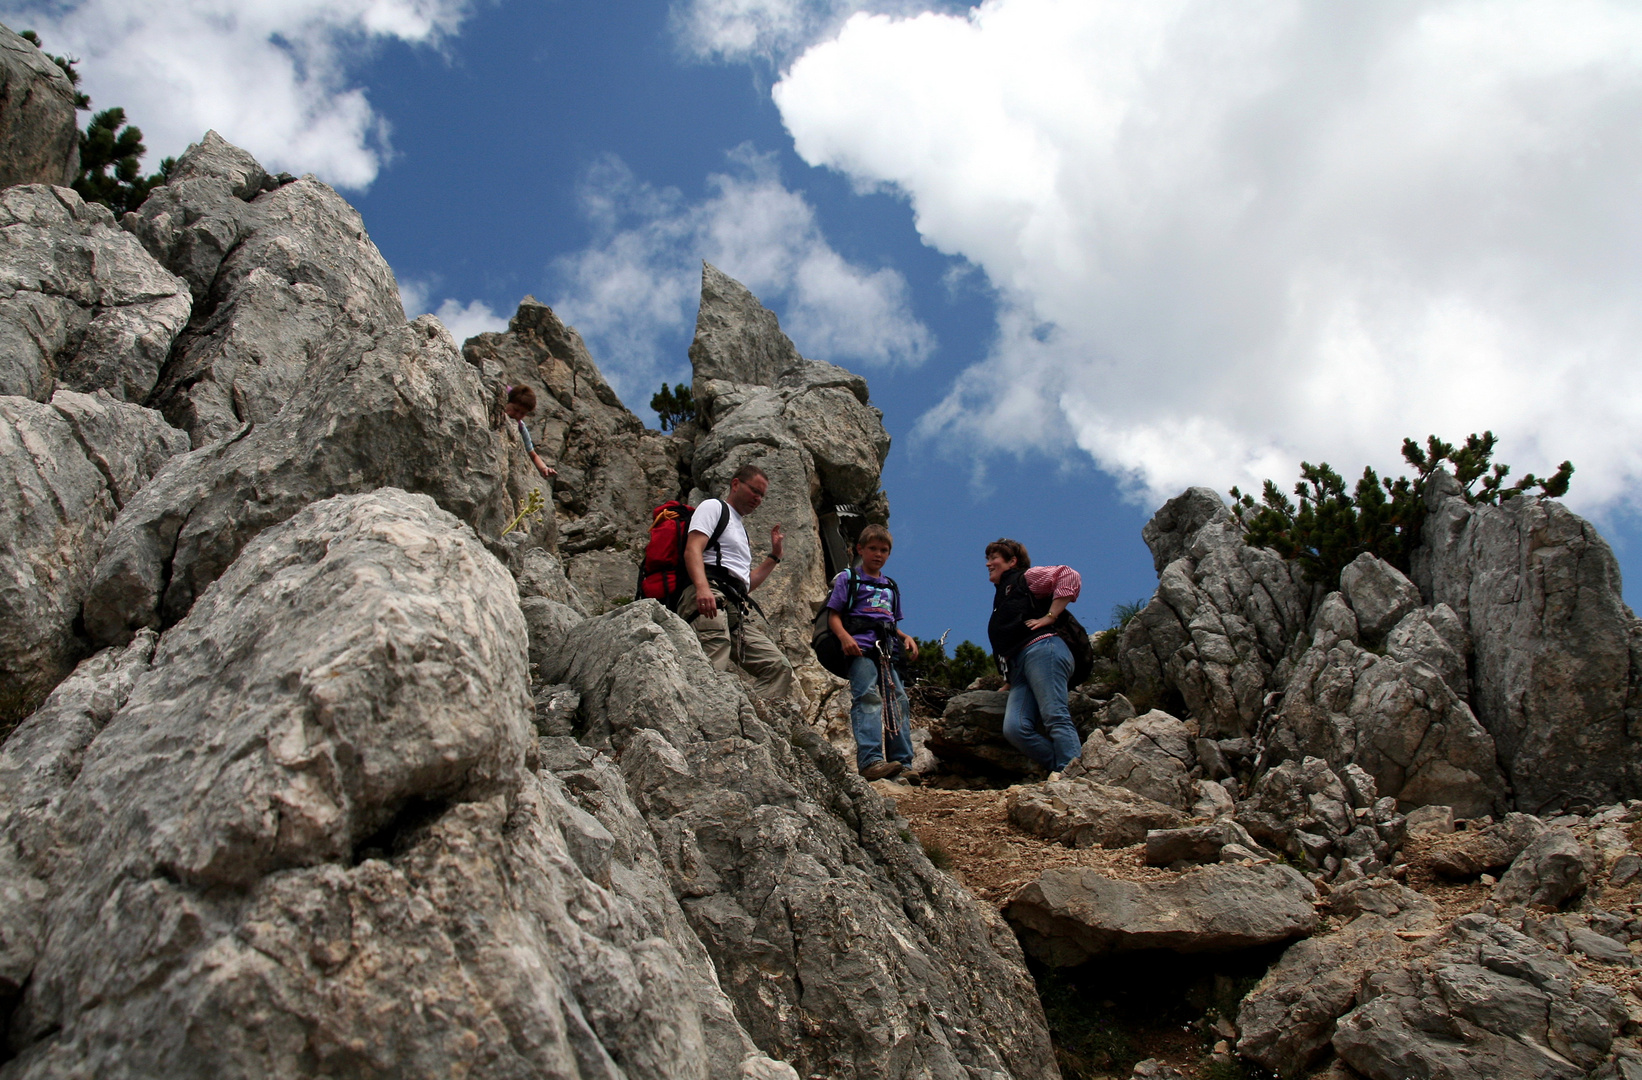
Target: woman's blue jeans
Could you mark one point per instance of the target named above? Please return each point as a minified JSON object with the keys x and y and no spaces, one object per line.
{"x":867,"y":715}
{"x":1037,"y":698}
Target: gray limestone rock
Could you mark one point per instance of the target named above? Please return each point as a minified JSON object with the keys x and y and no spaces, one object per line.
{"x":810,"y":427}
{"x":738,"y":340}
{"x":65,"y":470}
{"x":1556,"y":661}
{"x":1553,"y":869}
{"x":1081,"y":813}
{"x":39,"y":128}
{"x":1198,"y":843}
{"x":82,"y":305}
{"x":404,"y":411}
{"x":280,"y":273}
{"x":1223,"y":621}
{"x":970,"y":731}
{"x":549,"y":623}
{"x":1435,"y":637}
{"x":1150,"y":755}
{"x":349,"y":846}
{"x":1477,"y":1002}
{"x":1299,"y":808}
{"x":1488,"y":850}
{"x":540,"y":574}
{"x":845,"y":953}
{"x":1170,"y":531}
{"x":612,"y":469}
{"x":1396,"y":719}
{"x":1287,"y":1021}
{"x":1067,"y":916}
{"x":1379,"y":595}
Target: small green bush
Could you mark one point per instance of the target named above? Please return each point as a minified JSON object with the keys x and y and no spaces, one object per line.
{"x":967,"y":663}
{"x":1331,"y":526}
{"x":674,"y":406}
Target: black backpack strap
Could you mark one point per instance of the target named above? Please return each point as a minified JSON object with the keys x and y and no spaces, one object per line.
{"x":718,"y":530}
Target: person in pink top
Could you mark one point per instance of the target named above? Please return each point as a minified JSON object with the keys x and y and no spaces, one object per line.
{"x":1034,"y":661}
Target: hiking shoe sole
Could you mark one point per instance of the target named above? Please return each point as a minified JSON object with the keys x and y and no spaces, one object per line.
{"x":880,"y":770}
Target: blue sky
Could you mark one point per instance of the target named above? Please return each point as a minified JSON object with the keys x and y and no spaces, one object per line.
{"x":1085,"y":253}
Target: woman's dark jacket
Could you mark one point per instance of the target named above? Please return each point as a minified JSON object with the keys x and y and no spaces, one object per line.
{"x":1013,"y":604}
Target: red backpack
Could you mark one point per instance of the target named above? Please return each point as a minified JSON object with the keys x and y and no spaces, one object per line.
{"x":662,"y":575}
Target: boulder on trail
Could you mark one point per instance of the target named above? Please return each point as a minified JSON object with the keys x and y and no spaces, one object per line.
{"x":1150,"y":755}
{"x":1287,"y":1021}
{"x":1081,"y":813}
{"x":1068,"y":915}
{"x":1480,"y":1001}
{"x":1552,"y":869}
{"x":969,"y":733}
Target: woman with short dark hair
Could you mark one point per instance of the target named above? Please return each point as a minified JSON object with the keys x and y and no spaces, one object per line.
{"x":1031,"y":657}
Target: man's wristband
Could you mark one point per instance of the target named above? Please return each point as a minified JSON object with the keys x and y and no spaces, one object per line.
{"x":773,"y":557}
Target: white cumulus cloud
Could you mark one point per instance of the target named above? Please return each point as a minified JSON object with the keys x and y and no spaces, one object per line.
{"x":633,"y":293}
{"x":1232,"y":234}
{"x":769,"y":29}
{"x":462,"y":320}
{"x":268,"y":75}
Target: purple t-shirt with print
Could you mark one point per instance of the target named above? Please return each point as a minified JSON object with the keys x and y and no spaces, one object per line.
{"x":874,"y":598}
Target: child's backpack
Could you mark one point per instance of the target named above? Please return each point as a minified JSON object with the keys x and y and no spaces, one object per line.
{"x":662,"y":575}
{"x":828,"y":649}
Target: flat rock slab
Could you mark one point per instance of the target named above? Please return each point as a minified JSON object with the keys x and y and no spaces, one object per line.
{"x":1068,"y":916}
{"x":1081,"y":813}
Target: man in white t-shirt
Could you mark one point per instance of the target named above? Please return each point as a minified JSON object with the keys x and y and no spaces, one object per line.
{"x":722,"y":574}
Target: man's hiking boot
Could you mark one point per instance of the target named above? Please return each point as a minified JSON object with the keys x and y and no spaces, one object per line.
{"x":880,"y":769}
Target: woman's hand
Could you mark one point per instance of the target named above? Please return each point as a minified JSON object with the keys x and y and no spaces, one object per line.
{"x":850,"y":646}
{"x":1040,"y":623}
{"x":910,"y":645}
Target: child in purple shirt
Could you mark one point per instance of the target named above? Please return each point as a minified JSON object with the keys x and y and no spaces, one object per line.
{"x":866,"y":630}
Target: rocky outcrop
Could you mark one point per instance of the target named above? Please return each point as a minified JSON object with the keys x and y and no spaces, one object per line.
{"x":1150,"y":755}
{"x":1498,"y":675}
{"x":969,"y":733}
{"x":66,"y":469}
{"x":1287,"y":1021}
{"x":1477,"y":1002}
{"x":82,"y":305}
{"x":281,"y":274}
{"x":1399,"y":720}
{"x":351,"y":848}
{"x":1553,"y":869}
{"x":1066,"y":916}
{"x":1468,"y":853}
{"x":1555,"y":682}
{"x":844,"y":952}
{"x":812,"y":429}
{"x":612,"y":469}
{"x":407,"y":412}
{"x":1304,"y":810}
{"x":39,"y":129}
{"x":1224,"y":618}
